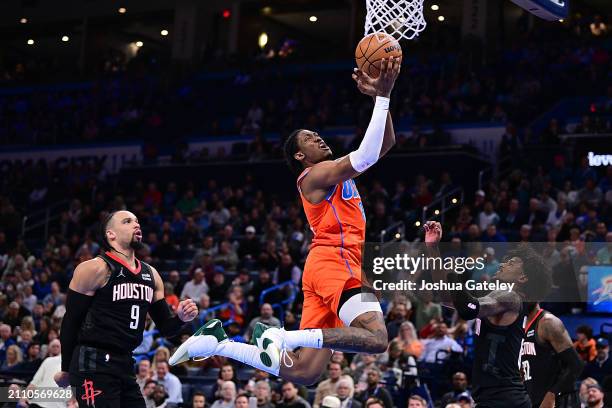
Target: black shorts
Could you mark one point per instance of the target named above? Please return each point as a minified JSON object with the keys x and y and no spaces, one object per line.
{"x":104,"y":380}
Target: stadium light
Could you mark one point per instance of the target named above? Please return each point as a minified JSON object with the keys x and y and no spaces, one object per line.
{"x":262,"y":40}
{"x":454,"y":201}
{"x":122,"y":10}
{"x":313,"y":19}
{"x":23,"y":20}
{"x":164,"y":32}
{"x":30,"y":42}
{"x":437,"y":212}
{"x":435,"y":7}
{"x":417,"y":224}
{"x":139,"y":44}
{"x":440,"y":18}
{"x":398,"y":235}
{"x":65,"y":38}
{"x":266,"y":10}
{"x":226,"y":13}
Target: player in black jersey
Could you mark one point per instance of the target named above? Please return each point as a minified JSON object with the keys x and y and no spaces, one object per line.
{"x":106,"y":306}
{"x":549,"y":362}
{"x":500,"y":321}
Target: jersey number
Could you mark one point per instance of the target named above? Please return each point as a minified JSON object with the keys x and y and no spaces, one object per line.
{"x":526,"y":371}
{"x":135,"y":317}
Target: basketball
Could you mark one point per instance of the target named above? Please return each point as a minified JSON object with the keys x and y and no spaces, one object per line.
{"x":372,"y":49}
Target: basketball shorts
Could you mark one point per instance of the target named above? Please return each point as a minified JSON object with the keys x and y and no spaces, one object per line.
{"x":330,"y":273}
{"x":103,"y":379}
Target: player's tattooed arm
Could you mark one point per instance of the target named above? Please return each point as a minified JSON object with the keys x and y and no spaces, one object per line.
{"x":89,"y":276}
{"x":552,"y":330}
{"x":498,"y":302}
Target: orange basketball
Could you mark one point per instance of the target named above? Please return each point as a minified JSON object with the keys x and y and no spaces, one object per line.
{"x":372,"y":49}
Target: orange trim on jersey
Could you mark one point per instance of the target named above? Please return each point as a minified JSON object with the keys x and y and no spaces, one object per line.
{"x":122,"y":262}
{"x":533,"y":320}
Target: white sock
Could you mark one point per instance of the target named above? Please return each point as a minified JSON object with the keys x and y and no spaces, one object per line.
{"x":312,"y":338}
{"x":246,"y":354}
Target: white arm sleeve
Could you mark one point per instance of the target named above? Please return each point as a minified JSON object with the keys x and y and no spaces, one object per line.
{"x":369,"y":149}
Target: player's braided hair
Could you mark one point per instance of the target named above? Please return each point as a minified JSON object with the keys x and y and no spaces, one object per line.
{"x":290,"y":148}
{"x":103,"y":226}
{"x":538,"y":274}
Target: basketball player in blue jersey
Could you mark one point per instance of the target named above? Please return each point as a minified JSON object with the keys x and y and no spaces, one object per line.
{"x":106,"y":306}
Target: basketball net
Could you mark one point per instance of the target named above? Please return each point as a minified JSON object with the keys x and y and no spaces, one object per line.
{"x":400,"y":18}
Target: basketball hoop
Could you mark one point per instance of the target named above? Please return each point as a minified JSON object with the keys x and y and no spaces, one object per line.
{"x":399,"y":18}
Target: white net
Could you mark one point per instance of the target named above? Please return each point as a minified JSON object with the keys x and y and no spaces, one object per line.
{"x":400,"y":18}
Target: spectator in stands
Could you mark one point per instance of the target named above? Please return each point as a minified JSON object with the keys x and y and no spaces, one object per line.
{"x":143,"y":374}
{"x":43,"y":378}
{"x":290,"y":397}
{"x":198,"y":400}
{"x":14,"y":356}
{"x":263,"y":393}
{"x":219,"y":287}
{"x":160,"y":396}
{"x":585,"y":344}
{"x":227,"y":396}
{"x":345,"y":389}
{"x":465,"y":400}
{"x":6,"y":340}
{"x":459,"y":383}
{"x":226,"y":373}
{"x":399,"y":314}
{"x":249,"y":246}
{"x":32,"y":360}
{"x":328,"y":386}
{"x":595,"y":396}
{"x":171,"y":298}
{"x":440,"y":346}
{"x":487,"y":216}
{"x":331,"y":401}
{"x":170,"y":382}
{"x":409,"y":339}
{"x":416,"y":401}
{"x":195,"y":287}
{"x":583,"y":390}
{"x":241,"y":401}
{"x":601,"y":366}
{"x":147,"y":393}
{"x":375,"y":389}
{"x":266,"y":316}
{"x":374,"y":403}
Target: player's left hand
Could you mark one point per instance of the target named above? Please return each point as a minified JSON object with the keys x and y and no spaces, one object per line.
{"x":433,"y":232}
{"x":187,"y":310}
{"x":548,"y":401}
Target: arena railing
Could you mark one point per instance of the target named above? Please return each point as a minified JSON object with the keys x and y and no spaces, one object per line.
{"x":447,"y":202}
{"x":42,"y":218}
{"x":279,"y":305}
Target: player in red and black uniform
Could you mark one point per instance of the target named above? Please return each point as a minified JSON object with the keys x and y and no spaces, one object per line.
{"x":500,"y":322}
{"x":549,"y":362}
{"x":106,"y":306}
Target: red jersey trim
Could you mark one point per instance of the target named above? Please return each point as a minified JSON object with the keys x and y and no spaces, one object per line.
{"x":533,"y":320}
{"x":122,"y":262}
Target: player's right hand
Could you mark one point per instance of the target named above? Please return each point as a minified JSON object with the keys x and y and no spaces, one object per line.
{"x":389,"y":71}
{"x":433,"y":232}
{"x":62,"y":379}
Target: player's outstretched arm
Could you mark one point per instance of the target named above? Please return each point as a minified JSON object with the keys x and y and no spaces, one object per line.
{"x":552,"y":330}
{"x":167,"y":324}
{"x":329,"y":173}
{"x":88,"y":277}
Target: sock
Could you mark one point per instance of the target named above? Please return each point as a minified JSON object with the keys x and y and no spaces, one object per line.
{"x":245,"y":353}
{"x":312,"y":338}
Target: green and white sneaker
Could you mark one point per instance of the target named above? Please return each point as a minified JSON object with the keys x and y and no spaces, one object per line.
{"x":270,"y":342}
{"x":201,"y":344}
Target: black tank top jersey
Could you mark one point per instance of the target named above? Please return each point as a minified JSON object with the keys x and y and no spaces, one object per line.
{"x":538,"y":362}
{"x":116,"y":318}
{"x":496,"y":373}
